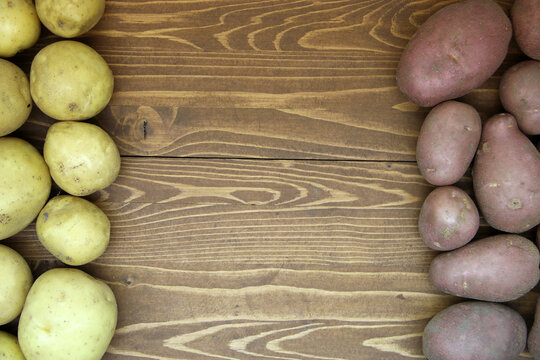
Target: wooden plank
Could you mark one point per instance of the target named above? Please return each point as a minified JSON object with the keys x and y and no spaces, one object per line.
{"x":262,"y":79}
{"x":258,"y":259}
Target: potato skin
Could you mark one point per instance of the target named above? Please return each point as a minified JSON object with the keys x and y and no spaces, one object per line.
{"x":533,"y":341}
{"x":526,"y":21}
{"x":448,"y":218}
{"x":16,"y":279}
{"x":447,"y":142}
{"x":70,"y":18}
{"x":82,"y":157}
{"x":19,"y":26}
{"x":73,"y":229}
{"x":475,"y":330}
{"x":9,"y":347}
{"x":506,"y":176}
{"x":68,"y":315}
{"x":25,"y":185}
{"x":456,"y":50}
{"x":519,"y":91}
{"x":476,"y":270}
{"x":70,"y":81}
{"x":15,"y":99}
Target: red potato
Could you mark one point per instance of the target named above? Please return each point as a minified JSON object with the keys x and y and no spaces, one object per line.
{"x":456,"y":50}
{"x":447,"y":142}
{"x":526,"y":22}
{"x":448,"y":218}
{"x":475,"y":330}
{"x":499,"y":268}
{"x":533,"y":341}
{"x":506,"y":176}
{"x":520,"y":95}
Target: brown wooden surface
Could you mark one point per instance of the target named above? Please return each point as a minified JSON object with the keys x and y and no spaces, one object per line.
{"x":268,"y":198}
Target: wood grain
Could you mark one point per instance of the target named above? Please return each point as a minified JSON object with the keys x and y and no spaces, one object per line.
{"x":268,"y":200}
{"x":249,"y":259}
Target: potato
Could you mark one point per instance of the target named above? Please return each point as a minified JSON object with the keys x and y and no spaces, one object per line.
{"x":70,"y":81}
{"x":454,"y":51}
{"x":15,"y":281}
{"x":447,"y":142}
{"x":19,"y":26}
{"x":519,"y":91}
{"x":82,"y":157}
{"x":499,"y":268}
{"x":70,"y":18}
{"x":25,"y":185}
{"x":15,"y":100}
{"x":73,"y":229}
{"x":506,"y":176}
{"x":9,"y":347}
{"x":448,"y":218}
{"x":67,"y":315}
{"x":533,"y":341}
{"x":526,"y":22}
{"x":475,"y":330}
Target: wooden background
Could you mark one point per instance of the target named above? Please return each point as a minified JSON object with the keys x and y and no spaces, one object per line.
{"x":268,"y":199}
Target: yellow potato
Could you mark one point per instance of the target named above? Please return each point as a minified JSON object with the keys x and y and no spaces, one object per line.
{"x":9,"y":347}
{"x":82,"y":157}
{"x":25,"y":185}
{"x":19,"y":26}
{"x":70,"y":18}
{"x":68,"y":315}
{"x":15,"y":100}
{"x":70,"y":81}
{"x":15,"y":281}
{"x":73,"y":229}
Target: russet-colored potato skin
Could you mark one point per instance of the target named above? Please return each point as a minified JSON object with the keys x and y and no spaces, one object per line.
{"x":82,"y":157}
{"x":15,"y":99}
{"x":506,"y":176}
{"x":19,"y":26}
{"x":9,"y":347}
{"x":475,"y":330}
{"x":499,"y":268}
{"x":68,"y":315}
{"x":526,"y":22}
{"x":25,"y":185}
{"x":73,"y":229}
{"x":456,"y":50}
{"x":448,"y":219}
{"x":447,"y":142}
{"x":70,"y":18}
{"x":16,"y":279}
{"x":70,"y":81}
{"x":519,"y":91}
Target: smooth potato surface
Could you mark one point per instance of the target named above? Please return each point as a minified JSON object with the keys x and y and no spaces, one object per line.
{"x":67,"y":315}
{"x":506,"y":176}
{"x":70,"y":81}
{"x":475,"y":330}
{"x":9,"y":347}
{"x":526,"y":22}
{"x":82,"y":157}
{"x":19,"y":26}
{"x":25,"y":185}
{"x":15,"y":281}
{"x":447,"y":142}
{"x":15,"y":99}
{"x":499,"y":268}
{"x":73,"y":229}
{"x":533,"y":340}
{"x":70,"y":18}
{"x":448,"y":218}
{"x":456,"y":50}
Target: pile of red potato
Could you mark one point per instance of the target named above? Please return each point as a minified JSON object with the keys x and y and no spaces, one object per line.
{"x":455,"y":51}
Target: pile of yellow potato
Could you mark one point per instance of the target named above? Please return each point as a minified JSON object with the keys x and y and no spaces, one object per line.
{"x":65,"y":313}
